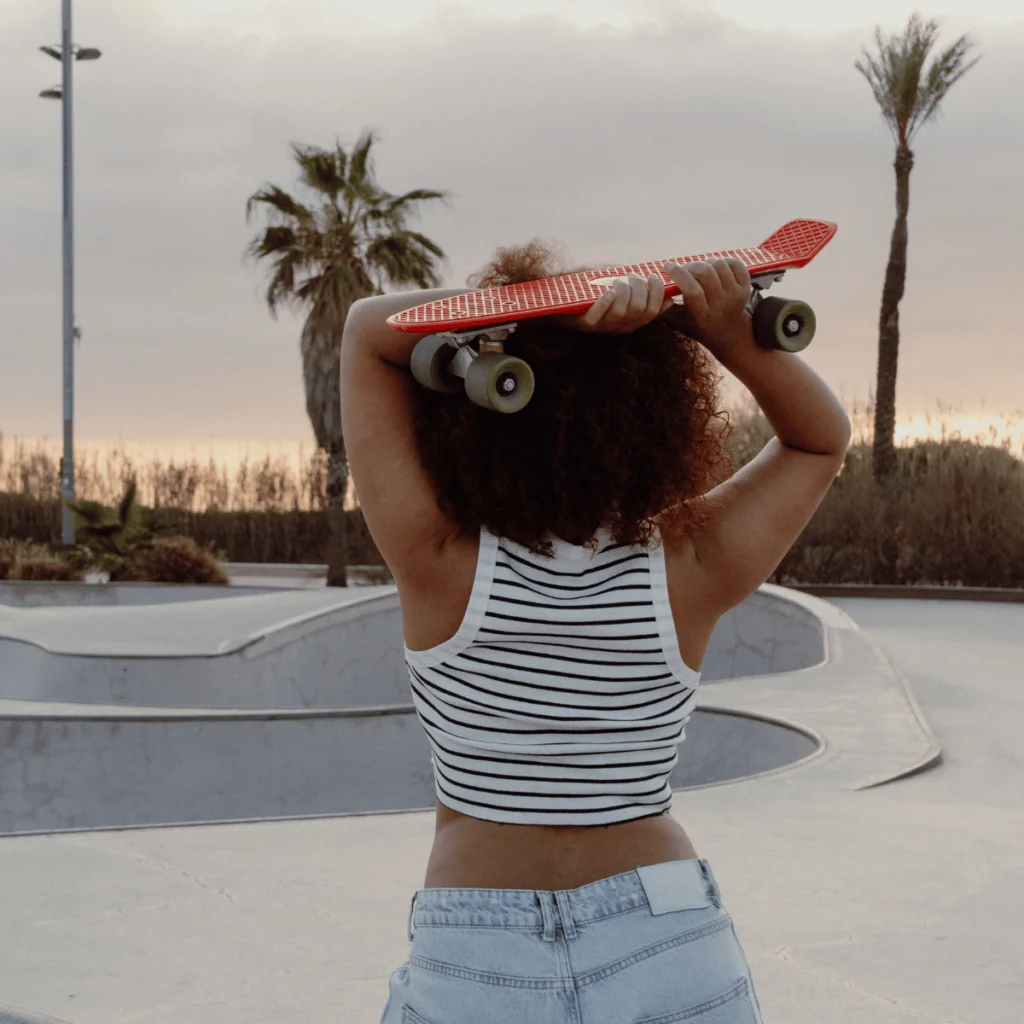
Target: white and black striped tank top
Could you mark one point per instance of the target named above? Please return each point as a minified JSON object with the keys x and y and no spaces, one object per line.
{"x":562,"y":698}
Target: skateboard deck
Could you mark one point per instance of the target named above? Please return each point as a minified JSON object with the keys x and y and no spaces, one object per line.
{"x":793,"y":246}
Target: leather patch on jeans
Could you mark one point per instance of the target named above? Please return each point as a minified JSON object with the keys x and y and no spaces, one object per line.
{"x":674,"y":885}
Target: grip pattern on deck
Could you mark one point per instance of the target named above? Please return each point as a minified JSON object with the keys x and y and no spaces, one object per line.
{"x":793,"y":245}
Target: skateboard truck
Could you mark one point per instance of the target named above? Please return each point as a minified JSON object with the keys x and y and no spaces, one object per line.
{"x":490,"y":378}
{"x":503,"y":383}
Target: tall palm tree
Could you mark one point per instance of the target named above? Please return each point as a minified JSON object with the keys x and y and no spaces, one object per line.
{"x":349,"y":240}
{"x":909,"y":97}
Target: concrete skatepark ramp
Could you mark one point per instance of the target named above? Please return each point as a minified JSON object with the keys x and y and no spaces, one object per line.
{"x":187,"y":705}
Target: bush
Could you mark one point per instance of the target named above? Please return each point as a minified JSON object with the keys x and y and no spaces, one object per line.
{"x":952,"y":515}
{"x":175,"y":560}
{"x":28,"y":561}
{"x":7,"y":559}
{"x":295,"y":537}
{"x":49,"y":570}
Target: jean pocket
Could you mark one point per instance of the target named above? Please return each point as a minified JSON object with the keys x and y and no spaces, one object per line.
{"x":733,"y":1007}
{"x":398,"y":976}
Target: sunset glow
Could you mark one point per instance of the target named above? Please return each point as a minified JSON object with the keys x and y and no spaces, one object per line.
{"x":228,"y":455}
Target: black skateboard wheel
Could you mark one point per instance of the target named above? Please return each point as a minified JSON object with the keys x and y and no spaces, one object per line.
{"x":499,"y":382}
{"x":784,"y":324}
{"x":429,"y":364}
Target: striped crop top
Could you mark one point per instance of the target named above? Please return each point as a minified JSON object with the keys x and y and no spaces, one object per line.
{"x":562,"y":698}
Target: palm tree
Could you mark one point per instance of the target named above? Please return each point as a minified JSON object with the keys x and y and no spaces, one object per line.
{"x":909,"y":97}
{"x":348,"y":241}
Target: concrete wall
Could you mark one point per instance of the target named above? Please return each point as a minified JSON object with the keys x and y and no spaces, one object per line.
{"x":253,"y":654}
{"x":774,"y":630}
{"x":68,"y":768}
{"x":341,"y":657}
{"x":19,"y":594}
{"x":307,"y":714}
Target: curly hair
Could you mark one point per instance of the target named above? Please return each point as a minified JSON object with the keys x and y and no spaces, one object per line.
{"x":623,"y":431}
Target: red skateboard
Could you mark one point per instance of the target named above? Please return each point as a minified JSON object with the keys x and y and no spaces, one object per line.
{"x":446,"y":360}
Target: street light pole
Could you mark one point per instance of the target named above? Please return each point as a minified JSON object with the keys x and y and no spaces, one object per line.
{"x":67,"y":474}
{"x":67,"y":53}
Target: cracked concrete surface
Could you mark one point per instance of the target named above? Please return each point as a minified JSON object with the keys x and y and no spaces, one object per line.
{"x":773,"y":635}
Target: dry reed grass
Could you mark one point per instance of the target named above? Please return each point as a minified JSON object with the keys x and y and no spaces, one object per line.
{"x":26,"y":560}
{"x":954,"y":514}
{"x":254,"y":485}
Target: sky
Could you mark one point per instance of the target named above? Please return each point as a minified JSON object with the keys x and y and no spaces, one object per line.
{"x":623,"y":130}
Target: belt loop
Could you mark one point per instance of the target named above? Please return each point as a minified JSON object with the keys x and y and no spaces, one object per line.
{"x":714,"y":893}
{"x":547,"y":913}
{"x":412,"y":911}
{"x":565,"y":911}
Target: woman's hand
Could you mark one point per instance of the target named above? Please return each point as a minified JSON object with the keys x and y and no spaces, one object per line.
{"x":715,"y":297}
{"x":625,"y":307}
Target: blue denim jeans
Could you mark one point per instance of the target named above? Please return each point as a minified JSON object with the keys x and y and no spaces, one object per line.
{"x":651,"y":946}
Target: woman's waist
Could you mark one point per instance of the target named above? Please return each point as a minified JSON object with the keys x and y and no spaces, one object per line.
{"x":471,"y":853}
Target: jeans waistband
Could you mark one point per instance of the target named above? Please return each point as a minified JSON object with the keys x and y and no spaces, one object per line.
{"x":672,"y":885}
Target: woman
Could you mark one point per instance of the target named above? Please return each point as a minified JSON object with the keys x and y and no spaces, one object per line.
{"x":560,"y":572}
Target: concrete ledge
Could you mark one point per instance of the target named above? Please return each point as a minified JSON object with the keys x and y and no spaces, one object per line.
{"x":856,"y":700}
{"x":911,"y":593}
{"x":299,"y":648}
{"x":930,"y":756}
{"x":25,"y":594}
{"x":291,"y":649}
{"x":275,"y":574}
{"x":280,"y":570}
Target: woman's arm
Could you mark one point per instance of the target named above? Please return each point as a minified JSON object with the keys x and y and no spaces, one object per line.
{"x":394,"y":347}
{"x":377,"y":400}
{"x":764,"y":507}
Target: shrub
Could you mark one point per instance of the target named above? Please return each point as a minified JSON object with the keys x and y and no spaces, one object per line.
{"x":7,"y":559}
{"x":293,"y":536}
{"x":51,"y":570}
{"x":24,"y":560}
{"x":953,"y":514}
{"x":175,"y":560}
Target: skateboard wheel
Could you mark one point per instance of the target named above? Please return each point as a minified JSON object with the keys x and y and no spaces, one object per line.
{"x":499,"y":382}
{"x":429,"y":364}
{"x":784,"y":324}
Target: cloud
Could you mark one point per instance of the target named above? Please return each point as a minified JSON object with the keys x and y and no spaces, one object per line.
{"x":682,"y":134}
